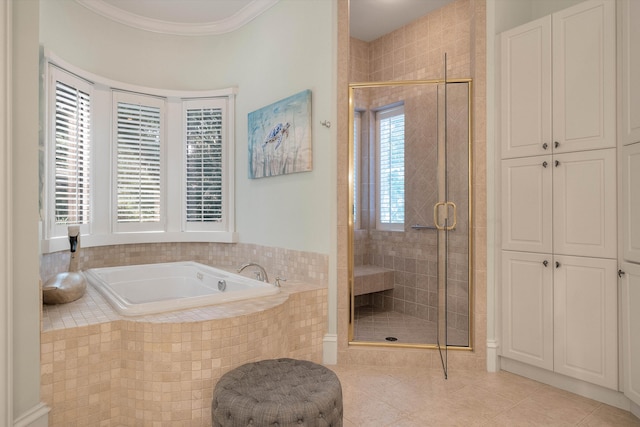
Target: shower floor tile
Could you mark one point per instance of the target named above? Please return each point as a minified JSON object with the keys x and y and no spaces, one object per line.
{"x":374,"y":324}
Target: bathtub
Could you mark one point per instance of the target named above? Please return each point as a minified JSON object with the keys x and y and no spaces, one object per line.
{"x":155,"y":288}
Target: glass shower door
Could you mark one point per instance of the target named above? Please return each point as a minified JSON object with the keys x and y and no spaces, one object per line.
{"x":425,"y":260}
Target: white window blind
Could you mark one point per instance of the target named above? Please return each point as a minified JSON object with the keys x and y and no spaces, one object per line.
{"x":138,"y":159}
{"x":357,"y":120}
{"x":204,"y":164}
{"x":72,"y":152}
{"x":390,"y":130}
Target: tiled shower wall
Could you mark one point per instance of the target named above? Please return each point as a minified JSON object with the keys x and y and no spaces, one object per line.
{"x":412,"y":253}
{"x":416,"y":52}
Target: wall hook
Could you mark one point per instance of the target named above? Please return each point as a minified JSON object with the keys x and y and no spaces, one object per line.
{"x":326,"y":123}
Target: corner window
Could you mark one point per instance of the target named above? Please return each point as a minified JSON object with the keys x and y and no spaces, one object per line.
{"x":390,"y":168}
{"x":135,"y":165}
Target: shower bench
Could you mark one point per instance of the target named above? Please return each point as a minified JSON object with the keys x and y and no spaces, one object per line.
{"x":371,"y":278}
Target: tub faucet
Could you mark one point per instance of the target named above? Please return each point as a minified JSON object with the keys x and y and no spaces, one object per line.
{"x":261,"y":274}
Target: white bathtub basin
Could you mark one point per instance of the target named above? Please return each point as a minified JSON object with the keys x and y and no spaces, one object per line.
{"x":155,"y":288}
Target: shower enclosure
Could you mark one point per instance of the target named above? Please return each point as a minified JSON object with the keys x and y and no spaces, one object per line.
{"x":410,"y":214}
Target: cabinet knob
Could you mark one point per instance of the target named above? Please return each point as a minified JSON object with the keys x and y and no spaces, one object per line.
{"x":621,"y":273}
{"x":545,"y":146}
{"x":557,"y":163}
{"x":545,"y":164}
{"x":557,"y":264}
{"x":556,"y":144}
{"x":545,"y":263}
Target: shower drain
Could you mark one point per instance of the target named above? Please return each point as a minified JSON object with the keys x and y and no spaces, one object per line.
{"x":391,"y":339}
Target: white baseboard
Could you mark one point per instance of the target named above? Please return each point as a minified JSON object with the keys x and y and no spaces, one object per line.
{"x":330,"y":349}
{"x":38,"y":416}
{"x":493,"y":360}
{"x":582,"y":388}
{"x":635,"y":409}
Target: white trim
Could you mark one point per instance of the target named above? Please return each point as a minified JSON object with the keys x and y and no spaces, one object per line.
{"x":54,"y":59}
{"x":62,"y":243}
{"x":6,"y":259}
{"x":582,"y":388}
{"x":492,"y":295}
{"x":222,"y":26}
{"x":330,"y":349}
{"x":38,"y":416}
{"x":493,"y":361}
{"x":635,"y":409}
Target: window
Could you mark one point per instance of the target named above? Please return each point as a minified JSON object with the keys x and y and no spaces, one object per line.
{"x":71,"y":157}
{"x":390,"y":149}
{"x":135,"y":165}
{"x":357,"y":129}
{"x":138,"y":139}
{"x":204,"y":163}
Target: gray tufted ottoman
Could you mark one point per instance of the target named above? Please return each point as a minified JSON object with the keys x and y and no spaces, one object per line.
{"x":278,"y":393}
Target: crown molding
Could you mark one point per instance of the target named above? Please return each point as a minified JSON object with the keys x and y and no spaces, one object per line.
{"x":232,"y":23}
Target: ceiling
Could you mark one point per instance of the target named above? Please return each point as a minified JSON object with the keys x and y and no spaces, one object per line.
{"x":369,"y":19}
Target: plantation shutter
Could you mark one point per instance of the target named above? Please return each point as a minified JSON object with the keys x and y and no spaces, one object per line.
{"x":357,"y":120}
{"x":72,"y":128}
{"x":391,"y":166}
{"x":204,"y":165}
{"x":138,"y":133}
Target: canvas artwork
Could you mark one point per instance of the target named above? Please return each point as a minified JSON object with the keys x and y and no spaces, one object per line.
{"x":280,"y":137}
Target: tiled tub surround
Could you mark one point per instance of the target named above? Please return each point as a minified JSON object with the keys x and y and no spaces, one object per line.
{"x":101,"y":369}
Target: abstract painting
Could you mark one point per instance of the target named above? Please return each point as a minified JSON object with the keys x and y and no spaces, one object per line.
{"x":280,"y":137}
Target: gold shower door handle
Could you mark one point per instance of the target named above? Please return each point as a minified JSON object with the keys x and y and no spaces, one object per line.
{"x":435,"y":215}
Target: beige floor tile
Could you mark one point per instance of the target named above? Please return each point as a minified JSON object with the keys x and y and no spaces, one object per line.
{"x":408,"y":397}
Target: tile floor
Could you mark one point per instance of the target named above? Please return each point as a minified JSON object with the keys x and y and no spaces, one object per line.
{"x":399,"y":397}
{"x":374,"y":324}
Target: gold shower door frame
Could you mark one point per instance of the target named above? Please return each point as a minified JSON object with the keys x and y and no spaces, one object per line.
{"x":444,"y":204}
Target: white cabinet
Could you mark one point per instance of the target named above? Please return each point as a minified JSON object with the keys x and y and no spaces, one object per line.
{"x":560,"y":313}
{"x":584,"y":76}
{"x":526,"y":89}
{"x":628,"y":72}
{"x":630,"y":205}
{"x":630,"y":301}
{"x":585,"y":319}
{"x":584,"y":203}
{"x":527,"y":301}
{"x":558,"y":82}
{"x":558,"y":193}
{"x":526,"y":204}
{"x":565,"y":204}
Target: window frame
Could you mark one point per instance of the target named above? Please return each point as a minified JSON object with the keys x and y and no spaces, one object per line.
{"x":56,"y":74}
{"x":227,"y":165}
{"x":149,"y":101}
{"x":101,"y":231}
{"x":383,"y":113}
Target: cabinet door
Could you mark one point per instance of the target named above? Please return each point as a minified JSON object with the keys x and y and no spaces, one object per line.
{"x":584,"y":76}
{"x":586,"y":319}
{"x":527,"y":308}
{"x":630,"y":196}
{"x":526,"y":204}
{"x":584,"y":203}
{"x":526,"y":89}
{"x":630,"y":301}
{"x":629,"y":70}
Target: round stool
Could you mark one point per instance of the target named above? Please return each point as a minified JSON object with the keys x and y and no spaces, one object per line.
{"x":278,"y":393}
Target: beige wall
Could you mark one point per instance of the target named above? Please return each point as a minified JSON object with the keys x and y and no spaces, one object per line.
{"x":416,"y":52}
